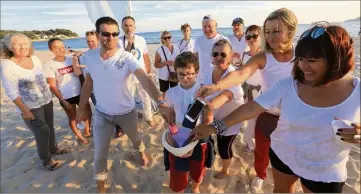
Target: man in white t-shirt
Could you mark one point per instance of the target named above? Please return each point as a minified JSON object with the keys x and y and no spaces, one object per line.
{"x":138,"y":47}
{"x":108,"y":70}
{"x":203,"y":44}
{"x":238,"y":41}
{"x":187,"y":43}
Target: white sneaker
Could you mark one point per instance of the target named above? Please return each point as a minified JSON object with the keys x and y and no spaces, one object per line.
{"x":256,"y":184}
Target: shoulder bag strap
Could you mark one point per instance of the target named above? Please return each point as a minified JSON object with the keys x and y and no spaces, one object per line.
{"x":165,"y":56}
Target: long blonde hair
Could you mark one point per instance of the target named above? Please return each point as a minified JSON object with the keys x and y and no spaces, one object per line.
{"x":6,"y":50}
{"x":288,"y":19}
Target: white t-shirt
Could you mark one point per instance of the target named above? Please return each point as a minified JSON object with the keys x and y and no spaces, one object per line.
{"x":163,"y":73}
{"x":255,"y":79}
{"x":272,"y":73}
{"x":66,"y":80}
{"x":238,"y":46}
{"x":304,"y":137}
{"x":230,"y":106}
{"x":180,"y":99}
{"x":140,"y":48}
{"x":111,"y":84}
{"x":29,"y":85}
{"x":203,"y":46}
{"x":185,"y":46}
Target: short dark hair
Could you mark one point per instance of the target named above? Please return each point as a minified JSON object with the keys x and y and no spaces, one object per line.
{"x":128,"y":17}
{"x":185,"y":26}
{"x":253,"y":28}
{"x":186,"y":60}
{"x":335,"y":45}
{"x":105,"y":20}
{"x":52,"y":40}
{"x":222,"y":42}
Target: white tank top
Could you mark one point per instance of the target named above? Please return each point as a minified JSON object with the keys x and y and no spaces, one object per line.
{"x":272,"y":72}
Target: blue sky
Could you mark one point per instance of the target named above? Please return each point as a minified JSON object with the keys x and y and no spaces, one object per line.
{"x":169,"y":15}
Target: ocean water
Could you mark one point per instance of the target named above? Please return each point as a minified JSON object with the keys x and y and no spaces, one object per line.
{"x":154,"y":37}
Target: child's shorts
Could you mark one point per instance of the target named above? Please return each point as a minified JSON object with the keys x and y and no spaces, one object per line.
{"x":179,"y":179}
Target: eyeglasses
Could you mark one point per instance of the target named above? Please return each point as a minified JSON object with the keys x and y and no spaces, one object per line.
{"x":107,"y":34}
{"x":315,"y":32}
{"x":254,"y":36}
{"x":92,"y":32}
{"x":166,"y":37}
{"x":222,"y":54}
{"x":182,"y":75}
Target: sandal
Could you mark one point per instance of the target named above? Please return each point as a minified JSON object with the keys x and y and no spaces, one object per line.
{"x":61,"y":151}
{"x":53,"y":167}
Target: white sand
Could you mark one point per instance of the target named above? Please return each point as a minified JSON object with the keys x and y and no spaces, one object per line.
{"x":21,"y":169}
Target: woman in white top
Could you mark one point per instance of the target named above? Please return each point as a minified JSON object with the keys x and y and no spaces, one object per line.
{"x":25,"y":84}
{"x":321,"y":88}
{"x":187,"y":43}
{"x":222,"y":103}
{"x":164,"y":61}
{"x":252,"y":85}
{"x":274,"y":63}
{"x":65,"y":85}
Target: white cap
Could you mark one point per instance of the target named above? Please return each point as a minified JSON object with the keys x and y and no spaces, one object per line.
{"x":208,"y":17}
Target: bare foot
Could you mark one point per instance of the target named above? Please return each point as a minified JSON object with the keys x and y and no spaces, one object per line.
{"x":152,"y":123}
{"x":86,"y":135}
{"x":100,"y":186}
{"x":196,"y":190}
{"x":82,"y":141}
{"x":221,"y":175}
{"x":144,"y":159}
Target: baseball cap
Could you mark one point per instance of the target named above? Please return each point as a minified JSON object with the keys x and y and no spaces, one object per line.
{"x":237,"y":21}
{"x":208,"y":17}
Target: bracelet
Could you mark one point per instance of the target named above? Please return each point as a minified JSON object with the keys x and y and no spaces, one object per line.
{"x":160,"y":102}
{"x":219,"y":125}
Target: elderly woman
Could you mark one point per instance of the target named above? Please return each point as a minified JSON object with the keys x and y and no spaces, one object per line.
{"x":322,"y":88}
{"x":164,"y":62}
{"x":25,"y":84}
{"x":223,"y":102}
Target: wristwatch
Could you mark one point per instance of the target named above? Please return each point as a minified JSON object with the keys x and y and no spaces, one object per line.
{"x":160,"y":102}
{"x":219,"y":125}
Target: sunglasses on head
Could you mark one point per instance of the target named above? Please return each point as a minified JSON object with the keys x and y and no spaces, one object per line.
{"x":222,"y":54}
{"x":107,"y":34}
{"x":314,"y":32}
{"x":92,"y":32}
{"x":254,"y":36}
{"x":166,"y":37}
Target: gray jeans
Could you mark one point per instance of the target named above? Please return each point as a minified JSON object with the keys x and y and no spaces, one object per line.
{"x":102,"y":133}
{"x":43,"y":130}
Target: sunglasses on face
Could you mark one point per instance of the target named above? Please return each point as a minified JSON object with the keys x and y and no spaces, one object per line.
{"x":182,"y":75}
{"x":222,"y":54}
{"x":315,"y":32}
{"x":166,"y":37}
{"x":254,"y":36}
{"x":107,"y":34}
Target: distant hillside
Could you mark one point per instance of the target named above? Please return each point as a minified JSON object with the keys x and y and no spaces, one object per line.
{"x":42,"y":34}
{"x":353,"y":20}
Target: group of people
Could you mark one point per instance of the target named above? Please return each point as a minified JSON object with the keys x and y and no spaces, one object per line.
{"x":282,"y":96}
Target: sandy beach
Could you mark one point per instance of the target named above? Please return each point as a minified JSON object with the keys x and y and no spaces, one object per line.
{"x":21,"y":169}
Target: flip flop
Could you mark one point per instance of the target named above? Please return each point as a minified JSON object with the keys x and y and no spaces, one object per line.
{"x":53,"y":167}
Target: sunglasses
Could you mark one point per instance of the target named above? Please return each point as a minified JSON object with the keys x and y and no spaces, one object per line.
{"x":182,"y":75}
{"x":222,"y":54}
{"x":254,"y":36}
{"x":167,"y":37}
{"x":315,"y":32}
{"x":87,"y":33}
{"x":107,"y":34}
